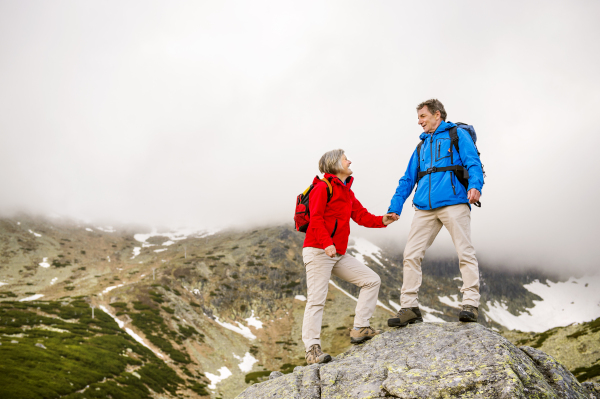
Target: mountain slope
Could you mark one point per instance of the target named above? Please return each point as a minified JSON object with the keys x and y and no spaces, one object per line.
{"x":227,"y":305}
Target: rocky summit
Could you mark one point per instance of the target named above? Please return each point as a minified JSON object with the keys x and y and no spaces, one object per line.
{"x":430,"y":360}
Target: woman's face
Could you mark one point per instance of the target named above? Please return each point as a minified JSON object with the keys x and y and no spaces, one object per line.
{"x":346,"y":165}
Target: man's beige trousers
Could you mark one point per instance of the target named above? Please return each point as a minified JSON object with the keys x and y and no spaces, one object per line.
{"x":425,"y":227}
{"x":319,"y":268}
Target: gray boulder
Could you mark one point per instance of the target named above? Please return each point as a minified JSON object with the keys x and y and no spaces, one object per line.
{"x":430,"y":360}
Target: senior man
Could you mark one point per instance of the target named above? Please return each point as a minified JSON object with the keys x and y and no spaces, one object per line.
{"x":437,"y":167}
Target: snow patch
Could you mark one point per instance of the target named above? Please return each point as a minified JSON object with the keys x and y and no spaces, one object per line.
{"x":457,"y":278}
{"x":241,"y":329}
{"x":364,"y":248}
{"x":129,"y":331}
{"x":111,"y":288}
{"x":215,"y":379}
{"x":167,"y":243}
{"x":254,"y":322}
{"x":196,"y":291}
{"x":44,"y":263}
{"x":54,"y":280}
{"x":88,"y":229}
{"x":160,"y":250}
{"x":18,"y":223}
{"x":141,"y":341}
{"x":173,"y":235}
{"x":35,"y":234}
{"x":576,"y":300}
{"x":31,"y":298}
{"x":107,"y":229}
{"x":395,"y":305}
{"x":300,"y":298}
{"x":105,"y":310}
{"x":429,"y":318}
{"x":1,"y":283}
{"x":246,"y":362}
{"x":451,"y":301}
{"x":136,"y":252}
{"x":429,"y":310}
{"x":108,"y":258}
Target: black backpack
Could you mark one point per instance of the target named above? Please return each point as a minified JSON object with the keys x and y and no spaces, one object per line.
{"x":461,"y":173}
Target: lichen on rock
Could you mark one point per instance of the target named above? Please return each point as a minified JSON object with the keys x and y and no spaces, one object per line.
{"x":430,"y":360}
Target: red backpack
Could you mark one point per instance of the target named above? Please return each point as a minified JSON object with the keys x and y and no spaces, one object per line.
{"x":302,"y":215}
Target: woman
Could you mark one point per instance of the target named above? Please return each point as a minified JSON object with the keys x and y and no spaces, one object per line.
{"x":324,"y":253}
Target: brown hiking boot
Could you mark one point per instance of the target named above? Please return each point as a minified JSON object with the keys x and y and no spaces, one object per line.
{"x":362,"y":335}
{"x":406,"y":316}
{"x":468,"y":314}
{"x":316,"y":355}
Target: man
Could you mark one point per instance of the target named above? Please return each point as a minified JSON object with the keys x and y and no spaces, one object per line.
{"x":440,"y":199}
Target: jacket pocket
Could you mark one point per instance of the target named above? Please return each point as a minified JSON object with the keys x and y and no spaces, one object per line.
{"x":442,"y":145}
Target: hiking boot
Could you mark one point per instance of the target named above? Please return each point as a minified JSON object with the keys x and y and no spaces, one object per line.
{"x":316,"y":355}
{"x":468,"y":313}
{"x":362,"y":335}
{"x":406,"y":316}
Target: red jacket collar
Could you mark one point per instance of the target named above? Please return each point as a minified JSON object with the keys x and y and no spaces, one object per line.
{"x":336,"y":180}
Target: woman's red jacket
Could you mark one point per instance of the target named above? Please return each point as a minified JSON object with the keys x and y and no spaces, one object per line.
{"x":330,"y":221}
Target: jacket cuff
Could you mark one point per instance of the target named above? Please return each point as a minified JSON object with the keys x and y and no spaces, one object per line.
{"x":476,"y":188}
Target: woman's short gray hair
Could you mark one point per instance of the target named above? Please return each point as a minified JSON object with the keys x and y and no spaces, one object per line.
{"x":331,"y":162}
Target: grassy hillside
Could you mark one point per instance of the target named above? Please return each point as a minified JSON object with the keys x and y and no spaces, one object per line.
{"x":576,"y":346}
{"x":225,"y":307}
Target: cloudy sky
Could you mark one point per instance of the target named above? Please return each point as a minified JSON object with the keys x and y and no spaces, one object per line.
{"x":214,"y":114}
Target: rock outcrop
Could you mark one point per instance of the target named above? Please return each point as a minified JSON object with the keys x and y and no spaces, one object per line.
{"x":430,"y":360}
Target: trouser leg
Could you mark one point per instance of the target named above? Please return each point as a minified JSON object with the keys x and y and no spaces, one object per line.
{"x":457,"y":219}
{"x":423,"y":230}
{"x":318,"y":271}
{"x":350,"y":269}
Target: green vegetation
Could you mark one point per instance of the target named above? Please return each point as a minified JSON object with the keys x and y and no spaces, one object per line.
{"x":586,"y":373}
{"x":149,"y":321}
{"x":257,"y":376}
{"x":75,"y":354}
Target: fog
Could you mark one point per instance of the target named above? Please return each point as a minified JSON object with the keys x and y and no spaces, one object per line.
{"x":214,"y":114}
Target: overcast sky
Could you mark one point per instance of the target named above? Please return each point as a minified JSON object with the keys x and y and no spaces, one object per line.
{"x":214,"y":114}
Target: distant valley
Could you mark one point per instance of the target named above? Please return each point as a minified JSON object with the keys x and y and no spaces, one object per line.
{"x":205,"y":314}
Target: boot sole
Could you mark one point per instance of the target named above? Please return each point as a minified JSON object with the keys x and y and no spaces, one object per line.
{"x":467,"y":317}
{"x":359,"y":340}
{"x":326,"y":359}
{"x":397,"y":323}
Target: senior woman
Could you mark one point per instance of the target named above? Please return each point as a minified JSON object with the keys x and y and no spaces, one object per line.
{"x":324,"y":254}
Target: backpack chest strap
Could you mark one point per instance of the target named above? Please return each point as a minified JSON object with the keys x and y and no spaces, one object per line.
{"x":464,"y":173}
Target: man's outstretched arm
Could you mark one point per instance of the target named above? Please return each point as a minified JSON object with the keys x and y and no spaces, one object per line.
{"x":405,"y":185}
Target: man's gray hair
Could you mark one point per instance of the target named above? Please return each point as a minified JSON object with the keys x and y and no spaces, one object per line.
{"x":331,"y":162}
{"x":434,"y":105}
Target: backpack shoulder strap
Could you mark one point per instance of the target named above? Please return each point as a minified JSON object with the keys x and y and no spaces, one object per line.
{"x":454,"y":137}
{"x":419,"y":156}
{"x":329,"y":189}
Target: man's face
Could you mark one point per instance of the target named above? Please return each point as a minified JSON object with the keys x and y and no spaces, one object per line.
{"x":428,"y":121}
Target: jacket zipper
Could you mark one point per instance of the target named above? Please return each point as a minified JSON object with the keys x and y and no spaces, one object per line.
{"x":431,"y":166}
{"x":334,"y":228}
{"x":452,"y":182}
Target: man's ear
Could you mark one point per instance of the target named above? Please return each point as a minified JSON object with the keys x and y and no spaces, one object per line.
{"x":438,"y":115}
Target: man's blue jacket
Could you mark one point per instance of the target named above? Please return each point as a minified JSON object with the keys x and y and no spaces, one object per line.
{"x":440,"y":188}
